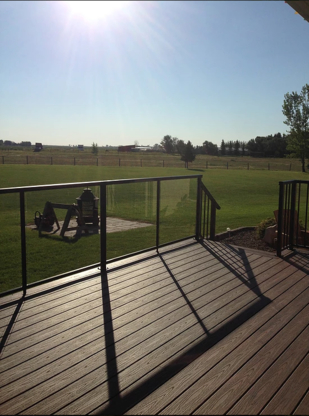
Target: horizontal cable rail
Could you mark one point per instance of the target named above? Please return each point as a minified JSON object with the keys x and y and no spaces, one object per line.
{"x":292,"y":215}
{"x":201,"y":194}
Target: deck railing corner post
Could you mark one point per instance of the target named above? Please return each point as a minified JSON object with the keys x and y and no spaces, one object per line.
{"x":103,"y":248}
{"x":198,"y":209}
{"x":280,"y":212}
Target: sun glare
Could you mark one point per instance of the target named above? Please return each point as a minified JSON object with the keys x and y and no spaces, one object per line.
{"x":94,"y":10}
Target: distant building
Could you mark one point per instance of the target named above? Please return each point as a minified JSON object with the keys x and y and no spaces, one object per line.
{"x":25,"y":143}
{"x":142,"y":149}
{"x":80,"y":147}
{"x":38,"y":147}
{"x":127,"y":148}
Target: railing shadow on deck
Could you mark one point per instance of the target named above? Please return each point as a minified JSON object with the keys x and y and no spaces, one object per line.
{"x":120,"y":404}
{"x":230,"y":256}
{"x":298,"y":259}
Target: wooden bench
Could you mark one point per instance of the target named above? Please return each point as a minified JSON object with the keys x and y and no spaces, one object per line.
{"x":72,"y":209}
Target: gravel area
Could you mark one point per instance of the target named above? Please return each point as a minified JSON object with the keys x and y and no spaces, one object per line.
{"x":248,"y":238}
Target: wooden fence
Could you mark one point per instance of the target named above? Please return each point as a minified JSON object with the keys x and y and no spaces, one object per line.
{"x":255,"y":164}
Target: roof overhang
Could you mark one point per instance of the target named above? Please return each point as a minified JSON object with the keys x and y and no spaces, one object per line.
{"x":301,"y":7}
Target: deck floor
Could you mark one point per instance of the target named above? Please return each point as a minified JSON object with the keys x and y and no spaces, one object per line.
{"x":198,"y":329}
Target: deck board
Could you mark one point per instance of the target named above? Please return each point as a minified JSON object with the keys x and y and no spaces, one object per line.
{"x":199,"y":328}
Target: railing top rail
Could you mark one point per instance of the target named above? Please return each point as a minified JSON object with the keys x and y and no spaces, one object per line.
{"x":92,"y":183}
{"x":210,"y":196}
{"x":294,"y":181}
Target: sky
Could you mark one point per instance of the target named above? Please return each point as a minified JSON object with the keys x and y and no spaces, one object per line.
{"x":118,"y":73}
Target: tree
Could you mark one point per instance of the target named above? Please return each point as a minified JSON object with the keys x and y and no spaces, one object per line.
{"x":95,"y":149}
{"x":180,"y":146}
{"x":230,"y":147}
{"x":167,"y":143}
{"x":210,"y":148}
{"x":296,"y":110}
{"x":236,"y":148}
{"x":223,"y":148}
{"x":188,"y":155}
{"x":243,"y":148}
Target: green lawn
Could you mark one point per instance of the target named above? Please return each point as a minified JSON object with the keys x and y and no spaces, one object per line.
{"x":246,"y":197}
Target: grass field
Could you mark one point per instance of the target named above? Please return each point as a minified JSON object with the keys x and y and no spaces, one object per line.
{"x":246,"y":197}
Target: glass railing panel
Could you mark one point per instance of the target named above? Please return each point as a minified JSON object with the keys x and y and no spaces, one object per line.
{"x":177,"y":209}
{"x":131,"y":217}
{"x":10,"y":242}
{"x":52,"y":250}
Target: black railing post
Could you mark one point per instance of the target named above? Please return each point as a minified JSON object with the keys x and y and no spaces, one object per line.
{"x":103,"y":228}
{"x":158,"y":214}
{"x":23,"y":241}
{"x":292,"y":216}
{"x":280,"y":212}
{"x":198,"y":209}
{"x":212,"y":221}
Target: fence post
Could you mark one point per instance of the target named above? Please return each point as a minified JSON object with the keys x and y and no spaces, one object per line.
{"x":119,"y":162}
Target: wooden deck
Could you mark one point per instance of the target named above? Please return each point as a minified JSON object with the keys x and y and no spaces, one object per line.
{"x":198,"y":329}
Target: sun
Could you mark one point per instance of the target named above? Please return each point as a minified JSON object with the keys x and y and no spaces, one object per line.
{"x":94,"y":10}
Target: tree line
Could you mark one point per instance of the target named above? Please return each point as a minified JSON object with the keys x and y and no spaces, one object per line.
{"x":295,"y":108}
{"x":268,"y":146}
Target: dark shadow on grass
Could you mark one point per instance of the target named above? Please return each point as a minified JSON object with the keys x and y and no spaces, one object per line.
{"x":196,"y":170}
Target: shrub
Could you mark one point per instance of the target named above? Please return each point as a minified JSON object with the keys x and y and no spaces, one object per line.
{"x":261,"y":227}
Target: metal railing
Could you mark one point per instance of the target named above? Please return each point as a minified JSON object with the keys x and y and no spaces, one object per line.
{"x":207,"y":211}
{"x":204,"y":228}
{"x":292,"y":215}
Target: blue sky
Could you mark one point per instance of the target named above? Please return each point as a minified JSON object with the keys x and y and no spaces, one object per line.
{"x":205,"y":70}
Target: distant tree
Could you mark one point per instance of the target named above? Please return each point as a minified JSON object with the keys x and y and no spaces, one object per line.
{"x":188,"y":155}
{"x":95,"y":149}
{"x":230,"y":147}
{"x":296,"y":110}
{"x":167,"y":143}
{"x":236,"y":148}
{"x":223,"y":152}
{"x":243,"y":148}
{"x":1,"y":142}
{"x":210,"y":148}
{"x":180,"y":146}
